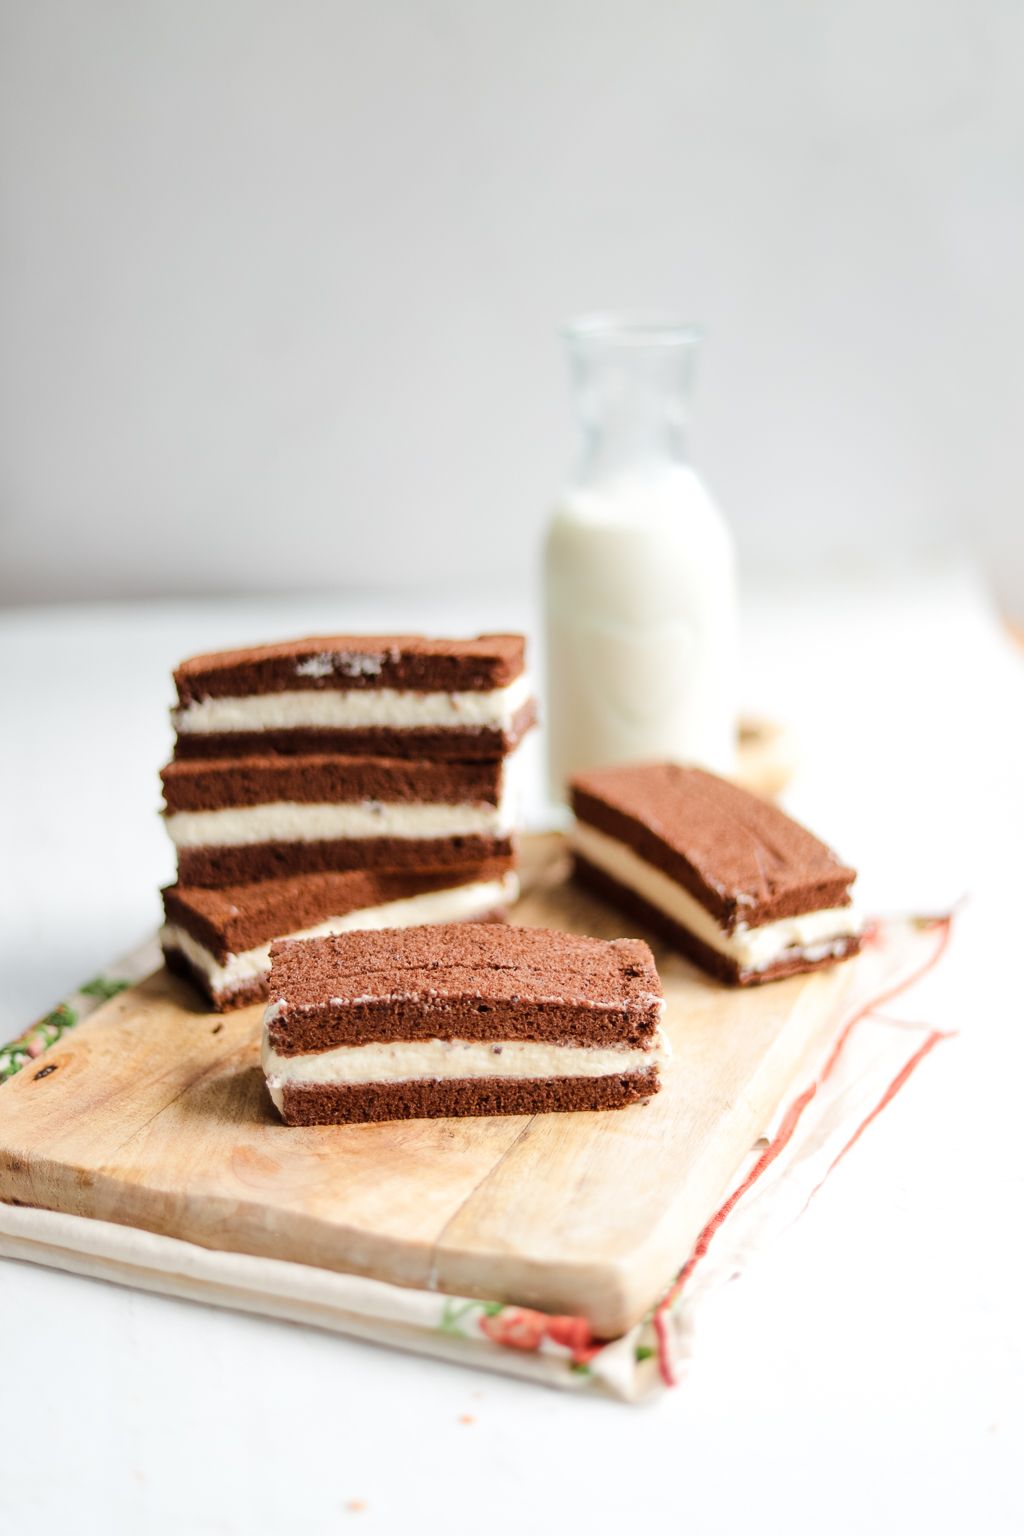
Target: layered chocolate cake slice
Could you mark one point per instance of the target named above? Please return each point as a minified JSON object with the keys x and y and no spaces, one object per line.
{"x":220,"y":939}
{"x":382,"y":695}
{"x":236,"y":820}
{"x":460,"y":1020}
{"x":730,"y":880}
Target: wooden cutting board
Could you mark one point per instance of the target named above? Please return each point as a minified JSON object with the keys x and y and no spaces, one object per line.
{"x":153,"y":1114}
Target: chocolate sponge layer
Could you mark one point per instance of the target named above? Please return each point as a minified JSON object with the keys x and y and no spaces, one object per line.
{"x":412,"y":662}
{"x":742,"y":858}
{"x":217,"y":867}
{"x":241,"y":917}
{"x":468,"y":982}
{"x":217,"y":784}
{"x":334,"y":1104}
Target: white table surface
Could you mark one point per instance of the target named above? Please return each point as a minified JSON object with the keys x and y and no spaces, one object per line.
{"x":866,"y":1374}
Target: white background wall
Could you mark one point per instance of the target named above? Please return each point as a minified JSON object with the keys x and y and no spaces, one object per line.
{"x":279,"y":279}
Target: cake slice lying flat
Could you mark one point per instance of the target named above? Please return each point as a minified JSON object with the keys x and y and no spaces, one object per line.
{"x":470,"y":1019}
{"x":220,"y":939}
{"x":728,"y":879}
{"x":235,"y":820}
{"x":385,"y":695}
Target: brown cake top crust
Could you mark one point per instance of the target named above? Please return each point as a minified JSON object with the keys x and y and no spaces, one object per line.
{"x":743,"y":858}
{"x":461,"y":981}
{"x":240,"y":917}
{"x":412,"y":662}
{"x":201,"y":784}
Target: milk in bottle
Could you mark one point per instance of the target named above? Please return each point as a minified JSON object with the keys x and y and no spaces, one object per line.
{"x":640,"y":587}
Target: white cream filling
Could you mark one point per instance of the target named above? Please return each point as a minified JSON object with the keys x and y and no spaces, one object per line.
{"x":355,"y":709}
{"x":814,"y":935}
{"x":286,"y":821}
{"x":458,"y":904}
{"x":402,"y":1061}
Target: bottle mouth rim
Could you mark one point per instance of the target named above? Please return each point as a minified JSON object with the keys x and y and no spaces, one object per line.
{"x":632,"y":328}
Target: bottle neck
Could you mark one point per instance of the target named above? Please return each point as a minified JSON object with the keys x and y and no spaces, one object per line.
{"x":632,"y":387}
{"x":629,"y":449}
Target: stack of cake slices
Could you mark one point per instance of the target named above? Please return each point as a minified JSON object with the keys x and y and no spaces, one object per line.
{"x":338,"y":783}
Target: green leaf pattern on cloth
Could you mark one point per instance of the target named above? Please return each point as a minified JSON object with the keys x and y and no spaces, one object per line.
{"x":104,"y":988}
{"x":48,"y":1030}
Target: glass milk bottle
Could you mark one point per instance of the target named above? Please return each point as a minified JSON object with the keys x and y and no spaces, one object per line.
{"x":640,"y":585}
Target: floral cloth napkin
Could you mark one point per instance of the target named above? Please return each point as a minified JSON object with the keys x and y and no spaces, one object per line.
{"x":866,"y":1060}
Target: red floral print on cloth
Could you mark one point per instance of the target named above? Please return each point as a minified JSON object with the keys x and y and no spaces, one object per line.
{"x":515,"y":1327}
{"x":521,"y":1328}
